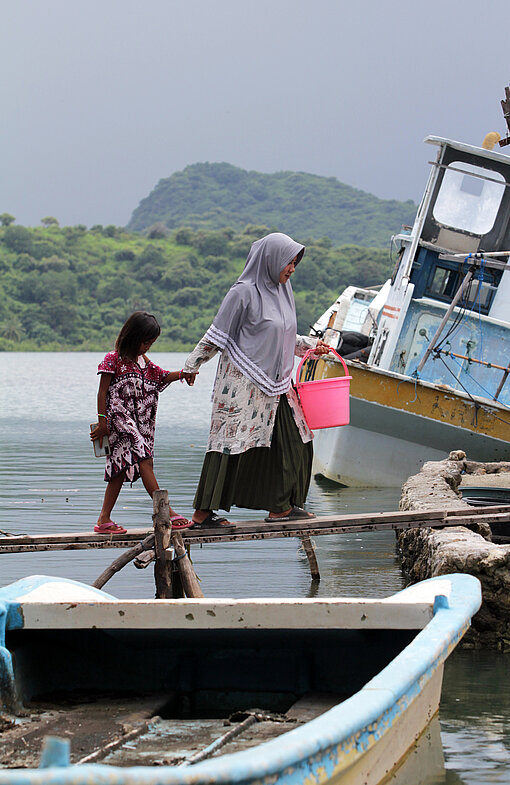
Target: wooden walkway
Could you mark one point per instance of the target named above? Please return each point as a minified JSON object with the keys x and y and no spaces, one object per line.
{"x":260,"y":530}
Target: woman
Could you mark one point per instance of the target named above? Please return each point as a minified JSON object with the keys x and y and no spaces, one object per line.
{"x":259,"y":453}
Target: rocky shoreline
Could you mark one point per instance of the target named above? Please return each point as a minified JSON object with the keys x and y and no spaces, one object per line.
{"x":428,"y":552}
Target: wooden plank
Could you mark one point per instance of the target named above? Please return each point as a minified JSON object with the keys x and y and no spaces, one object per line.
{"x":109,"y":540}
{"x":243,"y":535}
{"x":260,"y":530}
{"x":498,"y":508}
{"x":135,"y":534}
{"x":205,"y":614}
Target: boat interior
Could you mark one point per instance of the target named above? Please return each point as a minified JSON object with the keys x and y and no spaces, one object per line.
{"x":149,"y":696}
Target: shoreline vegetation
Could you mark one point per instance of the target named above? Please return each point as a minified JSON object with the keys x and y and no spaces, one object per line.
{"x":71,"y":288}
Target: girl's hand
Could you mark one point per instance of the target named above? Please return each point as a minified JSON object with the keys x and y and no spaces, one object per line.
{"x":321,"y":348}
{"x":99,"y":431}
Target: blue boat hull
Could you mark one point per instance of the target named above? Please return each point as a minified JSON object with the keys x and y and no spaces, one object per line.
{"x":390,"y":666}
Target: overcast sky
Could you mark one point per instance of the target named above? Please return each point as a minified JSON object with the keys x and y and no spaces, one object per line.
{"x":100,"y":99}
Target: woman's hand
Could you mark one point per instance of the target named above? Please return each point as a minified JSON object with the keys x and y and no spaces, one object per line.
{"x":321,"y":348}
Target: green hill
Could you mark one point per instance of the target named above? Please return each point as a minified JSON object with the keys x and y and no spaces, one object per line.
{"x":71,"y":288}
{"x":219,"y":195}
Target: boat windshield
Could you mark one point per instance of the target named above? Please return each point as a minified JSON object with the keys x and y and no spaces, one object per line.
{"x":469,"y":198}
{"x":446,"y":280}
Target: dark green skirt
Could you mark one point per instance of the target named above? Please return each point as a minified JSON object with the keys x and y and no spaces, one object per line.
{"x":263,"y":478}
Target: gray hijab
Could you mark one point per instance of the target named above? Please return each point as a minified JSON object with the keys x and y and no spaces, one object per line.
{"x":256,"y":322}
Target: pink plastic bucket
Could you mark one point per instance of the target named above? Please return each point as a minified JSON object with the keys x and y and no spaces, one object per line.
{"x":325,"y":402}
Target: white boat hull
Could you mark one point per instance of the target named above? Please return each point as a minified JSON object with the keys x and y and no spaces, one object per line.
{"x":382,"y":447}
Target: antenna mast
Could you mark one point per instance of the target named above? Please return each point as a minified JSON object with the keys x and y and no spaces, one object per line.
{"x":505,"y":105}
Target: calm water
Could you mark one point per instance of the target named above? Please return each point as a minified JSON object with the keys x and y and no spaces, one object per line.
{"x":50,"y":481}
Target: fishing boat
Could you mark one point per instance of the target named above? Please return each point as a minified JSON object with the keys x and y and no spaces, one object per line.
{"x":428,"y":351}
{"x":96,"y":689}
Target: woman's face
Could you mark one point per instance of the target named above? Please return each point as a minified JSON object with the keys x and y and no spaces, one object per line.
{"x":288,"y":270}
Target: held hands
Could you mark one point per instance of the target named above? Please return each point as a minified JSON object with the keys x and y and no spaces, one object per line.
{"x":189,"y":378}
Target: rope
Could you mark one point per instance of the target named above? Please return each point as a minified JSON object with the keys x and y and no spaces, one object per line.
{"x":416,"y":377}
{"x":253,"y":717}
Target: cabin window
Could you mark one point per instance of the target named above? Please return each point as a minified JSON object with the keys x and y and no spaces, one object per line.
{"x":446,"y":279}
{"x":466,"y":201}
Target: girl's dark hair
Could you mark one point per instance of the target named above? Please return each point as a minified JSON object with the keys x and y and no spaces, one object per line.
{"x":139,"y":328}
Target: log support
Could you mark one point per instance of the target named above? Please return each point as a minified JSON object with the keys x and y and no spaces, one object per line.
{"x":173,"y":571}
{"x":309,"y":550}
{"x":162,"y":535}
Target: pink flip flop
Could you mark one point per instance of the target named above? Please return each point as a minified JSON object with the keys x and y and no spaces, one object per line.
{"x":184,"y":525}
{"x":109,"y":528}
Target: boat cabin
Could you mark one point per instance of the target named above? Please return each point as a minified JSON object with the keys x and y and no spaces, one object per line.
{"x":466,"y":210}
{"x":443,"y":316}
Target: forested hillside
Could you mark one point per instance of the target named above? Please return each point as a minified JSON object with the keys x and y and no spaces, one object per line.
{"x":215,"y":196}
{"x":73,"y":287}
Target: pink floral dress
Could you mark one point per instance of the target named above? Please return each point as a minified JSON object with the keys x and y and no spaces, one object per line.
{"x":131,"y":405}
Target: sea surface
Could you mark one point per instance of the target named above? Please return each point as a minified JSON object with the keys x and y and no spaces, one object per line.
{"x":51,"y":482}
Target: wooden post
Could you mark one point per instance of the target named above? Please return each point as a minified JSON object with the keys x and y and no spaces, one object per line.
{"x":189,"y":579}
{"x":162,"y":533}
{"x":312,"y":559}
{"x":177,"y":587}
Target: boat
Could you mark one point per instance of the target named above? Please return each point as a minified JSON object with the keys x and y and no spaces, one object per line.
{"x":96,"y":689}
{"x":428,"y":351}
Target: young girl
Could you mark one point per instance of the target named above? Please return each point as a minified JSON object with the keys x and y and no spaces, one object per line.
{"x":126,"y":407}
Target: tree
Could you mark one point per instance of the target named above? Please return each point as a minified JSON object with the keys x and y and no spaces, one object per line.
{"x":49,"y":221}
{"x":12,"y":329}
{"x":211,"y":243}
{"x":18,"y":239}
{"x":157,"y":231}
{"x":184,"y":236}
{"x":6,"y":219}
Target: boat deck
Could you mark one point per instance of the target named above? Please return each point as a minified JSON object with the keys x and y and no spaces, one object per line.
{"x":129,"y":730}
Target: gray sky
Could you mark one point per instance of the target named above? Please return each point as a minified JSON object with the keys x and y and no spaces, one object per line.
{"x":100,"y":99}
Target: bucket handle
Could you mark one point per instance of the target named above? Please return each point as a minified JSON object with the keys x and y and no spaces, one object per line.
{"x":311,"y":351}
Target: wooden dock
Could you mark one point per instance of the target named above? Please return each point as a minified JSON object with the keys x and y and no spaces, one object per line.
{"x":169,"y":550}
{"x":260,"y":530}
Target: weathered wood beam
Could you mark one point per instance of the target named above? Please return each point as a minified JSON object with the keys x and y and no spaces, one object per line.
{"x":189,"y":579}
{"x":312,"y":558}
{"x":162,"y":535}
{"x":122,"y":560}
{"x":259,"y":530}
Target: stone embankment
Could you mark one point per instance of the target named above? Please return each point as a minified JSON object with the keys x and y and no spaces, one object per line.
{"x":429,"y":552}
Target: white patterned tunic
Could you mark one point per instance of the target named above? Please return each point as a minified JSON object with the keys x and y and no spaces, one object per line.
{"x":243,"y":416}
